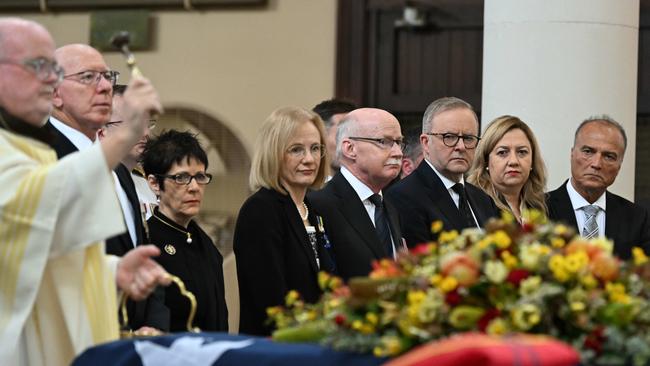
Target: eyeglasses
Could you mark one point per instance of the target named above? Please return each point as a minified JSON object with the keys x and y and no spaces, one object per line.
{"x":185,"y":178}
{"x":152,"y":124}
{"x":41,"y":67}
{"x":299,"y":151}
{"x":384,"y":142}
{"x":90,"y":77}
{"x":451,"y":139}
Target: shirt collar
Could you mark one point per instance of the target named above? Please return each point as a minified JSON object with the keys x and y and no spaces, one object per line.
{"x":578,"y":202}
{"x":363,"y":191}
{"x":78,"y":139}
{"x":446,"y":181}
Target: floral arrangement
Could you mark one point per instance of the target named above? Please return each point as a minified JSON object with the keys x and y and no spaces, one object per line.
{"x":533,"y":278}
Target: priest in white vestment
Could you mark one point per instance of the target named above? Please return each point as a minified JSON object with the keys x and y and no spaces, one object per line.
{"x":57,"y":288}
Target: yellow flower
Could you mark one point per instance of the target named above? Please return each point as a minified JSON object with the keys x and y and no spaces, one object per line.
{"x":436,"y":226}
{"x":448,"y":284}
{"x":588,"y":281}
{"x":560,"y":229}
{"x":447,"y":236}
{"x":292,"y":297}
{"x":561,"y":275}
{"x":273,"y":311}
{"x":543,"y":249}
{"x":640,"y":257}
{"x":526,"y":316}
{"x":617,"y":293}
{"x":557,"y":242}
{"x":415,"y":297}
{"x":507,"y":217}
{"x":497,"y":326}
{"x":357,"y":324}
{"x":323,"y":279}
{"x":509,"y":260}
{"x":556,"y":263}
{"x":496,"y":271}
{"x":529,"y":285}
{"x":577,"y":306}
{"x":435,"y":279}
{"x":372,"y":318}
{"x":390,"y":346}
{"x":483,"y":243}
{"x":501,"y":239}
{"x":576,"y":261}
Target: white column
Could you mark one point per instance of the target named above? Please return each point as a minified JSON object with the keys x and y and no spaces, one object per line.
{"x":553,"y":63}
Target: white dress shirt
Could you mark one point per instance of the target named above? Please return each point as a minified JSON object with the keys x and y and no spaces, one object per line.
{"x":364,"y":193}
{"x":578,"y":202}
{"x":82,"y":142}
{"x":454,"y":196}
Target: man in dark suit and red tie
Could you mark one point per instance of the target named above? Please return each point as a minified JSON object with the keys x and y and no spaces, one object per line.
{"x":437,"y":190}
{"x":361,"y":225}
{"x":584,"y":202}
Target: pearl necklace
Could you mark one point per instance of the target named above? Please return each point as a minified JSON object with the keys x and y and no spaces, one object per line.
{"x":189,"y":235}
{"x":304,"y":218}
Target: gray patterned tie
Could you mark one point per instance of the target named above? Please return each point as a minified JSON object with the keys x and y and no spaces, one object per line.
{"x":590,"y":230}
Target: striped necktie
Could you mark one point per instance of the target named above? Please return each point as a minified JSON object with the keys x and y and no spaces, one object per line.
{"x":590,"y":230}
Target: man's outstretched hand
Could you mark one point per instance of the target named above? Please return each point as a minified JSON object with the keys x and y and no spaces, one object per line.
{"x":138,"y":274}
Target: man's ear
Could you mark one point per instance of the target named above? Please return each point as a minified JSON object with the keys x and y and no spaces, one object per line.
{"x":57,"y":101}
{"x":348,"y":150}
{"x":424,"y":142}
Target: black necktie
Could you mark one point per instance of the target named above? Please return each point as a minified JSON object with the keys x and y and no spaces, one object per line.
{"x":463,"y":206}
{"x":381,"y":224}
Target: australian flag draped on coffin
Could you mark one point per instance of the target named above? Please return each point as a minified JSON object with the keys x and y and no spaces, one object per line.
{"x":215,"y":349}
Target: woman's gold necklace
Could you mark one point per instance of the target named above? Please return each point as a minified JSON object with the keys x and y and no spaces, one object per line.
{"x":189,"y":235}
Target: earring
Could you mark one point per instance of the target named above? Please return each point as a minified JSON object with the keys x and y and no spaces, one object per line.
{"x":487,"y":168}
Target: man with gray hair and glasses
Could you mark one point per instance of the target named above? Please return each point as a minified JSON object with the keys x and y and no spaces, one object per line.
{"x":83,"y":100}
{"x":360,"y":225}
{"x":57,"y":288}
{"x":437,"y":190}
{"x":584,"y":202}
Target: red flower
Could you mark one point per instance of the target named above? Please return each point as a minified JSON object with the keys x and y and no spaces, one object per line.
{"x":487,"y":318}
{"x":339,"y":319}
{"x":527,"y":227}
{"x":516,"y":276}
{"x":453,"y":298}
{"x":421,"y":249}
{"x":595,"y":340}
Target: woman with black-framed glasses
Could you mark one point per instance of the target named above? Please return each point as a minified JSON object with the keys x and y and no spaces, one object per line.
{"x":175,"y":166}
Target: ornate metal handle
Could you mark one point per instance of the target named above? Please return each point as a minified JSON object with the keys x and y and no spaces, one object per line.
{"x":125,"y":334}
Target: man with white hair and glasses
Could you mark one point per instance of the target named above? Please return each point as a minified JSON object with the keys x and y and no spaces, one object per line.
{"x":361,"y":226}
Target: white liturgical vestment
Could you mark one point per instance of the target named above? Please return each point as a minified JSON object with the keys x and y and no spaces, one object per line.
{"x":57,"y":287}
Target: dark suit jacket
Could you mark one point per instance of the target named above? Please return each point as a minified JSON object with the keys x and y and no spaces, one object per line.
{"x":354,"y":240}
{"x":626,"y":223}
{"x":151,"y":312}
{"x":61,"y":144}
{"x":274,"y":255}
{"x":421,"y":198}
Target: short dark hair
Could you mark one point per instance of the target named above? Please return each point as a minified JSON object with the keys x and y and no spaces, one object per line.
{"x":170,"y":147}
{"x":119,"y":89}
{"x":326,"y":109}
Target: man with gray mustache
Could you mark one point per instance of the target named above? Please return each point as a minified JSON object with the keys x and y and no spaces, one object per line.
{"x":437,"y":190}
{"x":360,"y":225}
